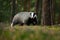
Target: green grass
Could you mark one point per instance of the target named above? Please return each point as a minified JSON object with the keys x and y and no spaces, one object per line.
{"x":30,"y":33}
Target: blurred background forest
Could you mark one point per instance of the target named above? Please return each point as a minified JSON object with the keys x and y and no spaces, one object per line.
{"x":47,"y":10}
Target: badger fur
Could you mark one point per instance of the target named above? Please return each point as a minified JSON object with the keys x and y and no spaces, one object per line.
{"x":24,"y":18}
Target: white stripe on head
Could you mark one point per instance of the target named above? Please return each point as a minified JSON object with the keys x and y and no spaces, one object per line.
{"x":32,"y":15}
{"x":35,"y":16}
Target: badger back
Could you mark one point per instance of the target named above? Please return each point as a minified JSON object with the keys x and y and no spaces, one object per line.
{"x":22,"y":16}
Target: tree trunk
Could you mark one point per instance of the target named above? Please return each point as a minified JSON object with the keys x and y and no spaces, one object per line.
{"x":27,"y":5}
{"x":52,"y":11}
{"x":58,"y":21}
{"x":44,"y":12}
{"x":36,"y":6}
{"x":47,"y":12}
{"x":38,"y":9}
{"x":13,"y":8}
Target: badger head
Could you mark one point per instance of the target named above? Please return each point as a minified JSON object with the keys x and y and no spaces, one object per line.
{"x":33,"y":18}
{"x":33,"y":15}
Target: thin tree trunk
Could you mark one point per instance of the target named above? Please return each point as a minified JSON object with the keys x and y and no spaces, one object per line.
{"x":52,"y":11}
{"x":58,"y":19}
{"x":36,"y":6}
{"x":46,"y":16}
{"x":28,"y":5}
{"x":13,"y":8}
{"x":44,"y":11}
{"x":38,"y":9}
{"x":21,"y":7}
{"x":48,"y":12}
{"x":25,"y":5}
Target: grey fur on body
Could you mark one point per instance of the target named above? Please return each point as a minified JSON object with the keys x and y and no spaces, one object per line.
{"x":22,"y":17}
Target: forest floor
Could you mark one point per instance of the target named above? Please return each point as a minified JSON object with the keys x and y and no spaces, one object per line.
{"x":30,"y":33}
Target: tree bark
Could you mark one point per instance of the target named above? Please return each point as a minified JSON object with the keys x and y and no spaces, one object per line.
{"x":52,"y":11}
{"x":44,"y":12}
{"x":38,"y":9}
{"x":13,"y":8}
{"x":36,"y":6}
{"x":47,"y":12}
{"x":27,"y":5}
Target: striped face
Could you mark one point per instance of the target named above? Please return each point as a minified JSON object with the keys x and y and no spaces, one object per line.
{"x":33,"y":15}
{"x":33,"y":18}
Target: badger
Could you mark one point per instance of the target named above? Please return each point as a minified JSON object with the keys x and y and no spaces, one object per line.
{"x":24,"y":18}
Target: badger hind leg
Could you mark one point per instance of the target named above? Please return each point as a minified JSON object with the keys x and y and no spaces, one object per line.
{"x":11,"y":24}
{"x":14,"y":23}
